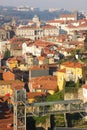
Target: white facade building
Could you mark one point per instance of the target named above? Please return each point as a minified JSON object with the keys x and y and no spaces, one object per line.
{"x":35,"y":51}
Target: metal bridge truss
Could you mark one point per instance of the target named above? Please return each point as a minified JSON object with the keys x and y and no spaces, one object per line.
{"x":23,"y":109}
{"x":57,"y":107}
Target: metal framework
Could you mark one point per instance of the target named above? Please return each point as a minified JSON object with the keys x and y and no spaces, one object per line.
{"x":20,"y":110}
{"x":57,"y":107}
{"x":41,"y":108}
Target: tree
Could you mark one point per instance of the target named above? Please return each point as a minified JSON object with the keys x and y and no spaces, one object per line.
{"x":56,"y":96}
{"x":77,"y":84}
{"x":7,"y":54}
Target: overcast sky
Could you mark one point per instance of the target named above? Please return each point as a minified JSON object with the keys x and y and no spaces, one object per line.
{"x":46,"y":4}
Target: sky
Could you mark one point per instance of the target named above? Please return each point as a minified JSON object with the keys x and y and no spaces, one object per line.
{"x":46,"y":4}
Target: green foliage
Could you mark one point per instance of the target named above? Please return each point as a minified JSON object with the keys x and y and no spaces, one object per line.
{"x":70,"y":90}
{"x":7,"y":54}
{"x":41,"y":119}
{"x":73,"y":53}
{"x":55,"y":97}
{"x":72,"y":87}
{"x":59,"y":120}
{"x":70,"y":84}
{"x":77,"y":84}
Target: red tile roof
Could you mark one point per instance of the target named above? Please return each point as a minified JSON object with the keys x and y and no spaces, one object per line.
{"x":67,"y":15}
{"x":43,"y":43}
{"x":73,"y":64}
{"x":41,"y":58}
{"x":39,"y":67}
{"x":45,"y":82}
{"x":15,"y":84}
{"x":84,"y":86}
{"x":62,"y":70}
{"x":49,"y":27}
{"x":31,"y":95}
{"x":56,"y":21}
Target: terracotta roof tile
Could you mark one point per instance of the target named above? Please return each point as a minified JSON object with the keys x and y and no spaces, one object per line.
{"x":17,"y":84}
{"x":31,"y":95}
{"x":56,"y":21}
{"x":45,"y":82}
{"x":49,"y":27}
{"x":84,"y":86}
{"x":62,"y":70}
{"x":73,"y":64}
{"x":39,"y":67}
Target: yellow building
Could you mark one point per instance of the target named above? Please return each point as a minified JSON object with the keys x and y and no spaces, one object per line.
{"x":7,"y":87}
{"x":70,"y":71}
{"x":12,"y":63}
{"x":22,"y":67}
{"x":61,"y":78}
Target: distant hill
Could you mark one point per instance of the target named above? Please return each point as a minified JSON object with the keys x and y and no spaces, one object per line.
{"x":9,"y":12}
{"x":44,"y":15}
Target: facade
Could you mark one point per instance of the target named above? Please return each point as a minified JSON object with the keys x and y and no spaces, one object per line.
{"x":7,"y":87}
{"x":35,"y":32}
{"x":74,"y":70}
{"x":31,"y":60}
{"x":4,"y":34}
{"x":84,"y":90}
{"x":61,"y":79}
{"x":7,"y":31}
{"x":72,"y":16}
{"x":37,"y":71}
{"x":16,"y":49}
{"x":70,"y":71}
{"x":43,"y":60}
{"x":47,"y":84}
{"x":49,"y":30}
{"x":51,"y":60}
{"x":31,"y":49}
{"x":12,"y":63}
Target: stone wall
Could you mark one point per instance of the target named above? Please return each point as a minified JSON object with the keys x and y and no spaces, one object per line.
{"x":76,"y":95}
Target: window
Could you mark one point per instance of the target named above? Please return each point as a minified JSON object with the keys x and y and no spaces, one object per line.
{"x":8,"y":86}
{"x":2,"y":92}
{"x":2,"y":86}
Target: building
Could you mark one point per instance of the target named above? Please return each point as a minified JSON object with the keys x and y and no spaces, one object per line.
{"x":84,"y":92}
{"x":47,"y":84}
{"x":72,"y":16}
{"x":12,"y":63}
{"x":70,"y":71}
{"x":26,"y":8}
{"x":36,"y":30}
{"x":43,"y":60}
{"x":37,"y":71}
{"x":7,"y":87}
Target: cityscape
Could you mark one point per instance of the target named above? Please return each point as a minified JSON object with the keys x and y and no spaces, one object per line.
{"x":43,"y":66}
